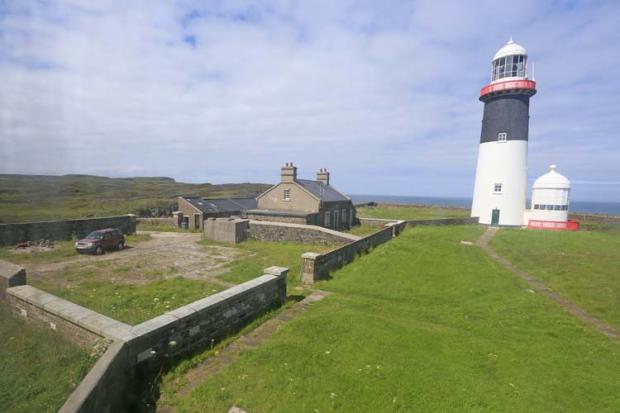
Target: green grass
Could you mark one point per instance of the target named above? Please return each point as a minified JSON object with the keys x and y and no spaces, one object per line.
{"x":259,"y":255}
{"x":423,"y":323}
{"x":133,"y":304}
{"x":61,"y":251}
{"x":39,"y":368}
{"x":363,"y":230}
{"x":411,"y":212}
{"x":39,"y":197}
{"x":583,"y":266}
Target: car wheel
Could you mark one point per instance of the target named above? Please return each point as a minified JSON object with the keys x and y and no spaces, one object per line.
{"x":99,"y":250}
{"x":120,"y":245}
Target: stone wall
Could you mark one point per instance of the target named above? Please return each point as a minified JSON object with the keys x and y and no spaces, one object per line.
{"x":78,"y":324}
{"x":107,"y":386}
{"x":207,"y":321}
{"x":305,"y":234}
{"x":375,"y":222}
{"x":280,"y":218}
{"x":229,"y":230}
{"x":11,"y":234}
{"x":110,"y":386}
{"x":318,"y":266}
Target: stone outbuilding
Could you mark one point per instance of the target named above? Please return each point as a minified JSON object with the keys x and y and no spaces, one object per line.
{"x":304,"y":201}
{"x":192,"y":211}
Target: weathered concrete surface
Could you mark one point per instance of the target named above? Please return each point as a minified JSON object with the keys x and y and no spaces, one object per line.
{"x":229,"y":230}
{"x":11,"y":234}
{"x":11,"y":275}
{"x":305,"y":234}
{"x":107,"y":387}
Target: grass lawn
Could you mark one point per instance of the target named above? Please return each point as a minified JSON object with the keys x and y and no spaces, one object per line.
{"x":259,"y":255}
{"x":411,"y":212}
{"x":134,"y":304}
{"x":423,"y":323}
{"x":39,"y":368}
{"x":363,"y":230}
{"x":583,"y":266}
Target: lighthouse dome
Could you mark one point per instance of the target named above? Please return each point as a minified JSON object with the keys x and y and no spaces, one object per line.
{"x":511,"y":48}
{"x":552,"y":180}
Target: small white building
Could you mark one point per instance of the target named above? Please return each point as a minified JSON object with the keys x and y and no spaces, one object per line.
{"x":550,"y":201}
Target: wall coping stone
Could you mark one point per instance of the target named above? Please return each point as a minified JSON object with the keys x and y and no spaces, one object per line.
{"x":311,"y":255}
{"x":71,"y":312}
{"x":8,"y":270}
{"x":277,"y":271}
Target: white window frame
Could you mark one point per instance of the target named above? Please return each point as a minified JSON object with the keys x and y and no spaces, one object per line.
{"x":497,"y":188}
{"x":286,"y":195}
{"x":502,"y":137}
{"x":327,"y":222}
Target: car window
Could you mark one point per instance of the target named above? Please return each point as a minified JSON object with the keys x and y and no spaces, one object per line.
{"x":94,"y":235}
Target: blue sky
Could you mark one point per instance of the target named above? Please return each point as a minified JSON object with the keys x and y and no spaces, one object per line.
{"x":384,"y":94}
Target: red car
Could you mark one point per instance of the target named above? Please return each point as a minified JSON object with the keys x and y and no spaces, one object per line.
{"x":101,"y":240}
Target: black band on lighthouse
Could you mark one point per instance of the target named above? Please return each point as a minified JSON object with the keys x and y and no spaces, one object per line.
{"x":507,"y":114}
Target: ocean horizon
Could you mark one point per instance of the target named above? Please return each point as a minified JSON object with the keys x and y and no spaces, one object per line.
{"x":591,"y":207}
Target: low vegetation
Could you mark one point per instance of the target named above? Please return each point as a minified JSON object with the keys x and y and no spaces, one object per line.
{"x":39,"y":197}
{"x":257,"y":255}
{"x":422,"y":323}
{"x":411,"y":212}
{"x":363,"y":230}
{"x":39,"y":368}
{"x":583,"y":266}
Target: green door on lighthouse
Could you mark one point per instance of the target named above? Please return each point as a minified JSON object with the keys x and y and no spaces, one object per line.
{"x":495,"y":217}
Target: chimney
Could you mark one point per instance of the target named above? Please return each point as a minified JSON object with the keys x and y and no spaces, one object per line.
{"x":289,"y":172}
{"x":323,"y":176}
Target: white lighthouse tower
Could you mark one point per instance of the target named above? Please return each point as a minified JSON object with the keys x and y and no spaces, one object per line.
{"x":501,"y":174}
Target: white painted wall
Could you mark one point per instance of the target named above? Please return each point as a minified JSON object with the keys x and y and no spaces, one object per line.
{"x":548,"y":196}
{"x":505,"y":163}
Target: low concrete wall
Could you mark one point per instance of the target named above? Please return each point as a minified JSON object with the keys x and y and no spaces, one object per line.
{"x":207,"y":321}
{"x":230,"y":230}
{"x":279,"y":218}
{"x":110,"y":386}
{"x":305,"y":234}
{"x":11,"y":275}
{"x":80,"y":325}
{"x":318,"y":266}
{"x":11,"y":234}
{"x":376,"y":222}
{"x":105,"y":387}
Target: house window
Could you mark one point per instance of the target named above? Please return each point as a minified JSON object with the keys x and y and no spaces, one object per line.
{"x":497,"y":188}
{"x":344,"y":216}
{"x":501,"y":137}
{"x":327,"y":223}
{"x":287,"y":195}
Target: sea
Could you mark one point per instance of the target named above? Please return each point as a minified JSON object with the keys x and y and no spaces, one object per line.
{"x":606,"y":208}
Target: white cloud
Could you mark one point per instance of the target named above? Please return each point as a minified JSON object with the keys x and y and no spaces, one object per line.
{"x":382,"y":93}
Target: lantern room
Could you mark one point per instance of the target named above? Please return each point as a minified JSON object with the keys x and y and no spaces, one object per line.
{"x":509,"y":62}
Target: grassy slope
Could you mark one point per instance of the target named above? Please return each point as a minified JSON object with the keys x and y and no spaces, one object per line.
{"x":584,"y":266}
{"x":411,"y":212}
{"x":33,"y":197}
{"x":423,"y":323}
{"x":267,"y":254}
{"x":39,"y":368}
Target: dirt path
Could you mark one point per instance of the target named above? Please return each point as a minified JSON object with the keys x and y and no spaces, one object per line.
{"x":231,"y":352}
{"x":538,"y":286}
{"x":165,"y":255}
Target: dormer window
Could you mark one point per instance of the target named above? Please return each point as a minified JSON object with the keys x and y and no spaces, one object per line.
{"x":286,"y":195}
{"x":502,"y":136}
{"x":497,"y":188}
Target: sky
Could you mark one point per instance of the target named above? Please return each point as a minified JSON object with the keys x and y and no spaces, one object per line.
{"x":383,"y":94}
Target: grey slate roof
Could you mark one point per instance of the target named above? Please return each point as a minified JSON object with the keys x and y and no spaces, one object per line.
{"x":232,"y":205}
{"x":325,"y":193}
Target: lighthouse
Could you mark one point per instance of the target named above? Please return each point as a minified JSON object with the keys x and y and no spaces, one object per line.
{"x":501,"y":173}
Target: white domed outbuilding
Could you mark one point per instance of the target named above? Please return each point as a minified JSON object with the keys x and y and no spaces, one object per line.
{"x":550,"y":200}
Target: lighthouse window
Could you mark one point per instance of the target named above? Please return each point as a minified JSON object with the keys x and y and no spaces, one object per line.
{"x":497,"y":188}
{"x":501,"y":137}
